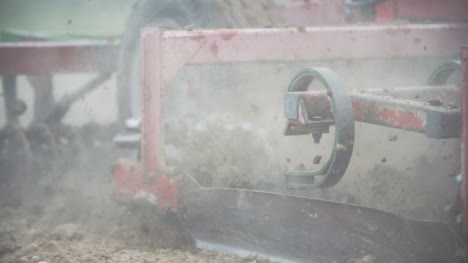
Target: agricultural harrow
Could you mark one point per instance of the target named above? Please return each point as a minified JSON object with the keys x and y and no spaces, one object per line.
{"x":285,"y":227}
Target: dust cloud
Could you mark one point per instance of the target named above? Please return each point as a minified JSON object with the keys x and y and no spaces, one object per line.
{"x":224,"y":127}
{"x":396,"y":171}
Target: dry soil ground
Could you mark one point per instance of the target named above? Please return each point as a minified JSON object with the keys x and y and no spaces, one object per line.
{"x":70,"y":216}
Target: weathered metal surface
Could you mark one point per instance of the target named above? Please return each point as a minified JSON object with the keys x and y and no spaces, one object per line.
{"x":313,"y":43}
{"x":419,"y":93}
{"x":411,"y":114}
{"x":146,"y":178}
{"x":335,"y":167}
{"x":442,"y":74}
{"x":443,"y":124}
{"x":298,"y":229}
{"x":133,"y":183}
{"x":55,"y":57}
{"x":152,"y":159}
{"x":436,"y":121}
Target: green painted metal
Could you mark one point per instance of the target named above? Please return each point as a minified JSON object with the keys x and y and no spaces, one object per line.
{"x":317,"y":177}
{"x":442,"y":73}
{"x":63,"y":19}
{"x":330,"y":173}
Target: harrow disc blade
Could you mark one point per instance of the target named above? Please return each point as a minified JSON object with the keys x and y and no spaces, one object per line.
{"x":297,"y":229}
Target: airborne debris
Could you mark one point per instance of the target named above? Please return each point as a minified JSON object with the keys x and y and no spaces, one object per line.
{"x":254,"y":108}
{"x":341,"y":148}
{"x":214,"y":159}
{"x":301,"y":28}
{"x":435,"y":102}
{"x":301,"y":167}
{"x":188,"y":27}
{"x":317,"y":159}
{"x":453,"y":174}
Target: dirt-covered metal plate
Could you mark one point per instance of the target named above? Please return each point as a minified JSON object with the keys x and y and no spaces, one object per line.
{"x":297,"y":229}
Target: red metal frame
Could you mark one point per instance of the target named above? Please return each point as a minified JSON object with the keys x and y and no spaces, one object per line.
{"x":396,"y":108}
{"x":308,"y":13}
{"x":451,"y":10}
{"x":40,"y":59}
{"x":55,"y":57}
{"x":314,"y":43}
{"x":166,"y":52}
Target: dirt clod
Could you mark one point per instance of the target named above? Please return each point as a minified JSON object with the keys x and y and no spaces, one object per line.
{"x":435,"y":102}
{"x":317,"y":159}
{"x":70,"y":232}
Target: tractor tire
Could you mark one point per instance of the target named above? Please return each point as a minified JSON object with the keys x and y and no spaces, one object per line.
{"x":169,"y":14}
{"x":177,"y":14}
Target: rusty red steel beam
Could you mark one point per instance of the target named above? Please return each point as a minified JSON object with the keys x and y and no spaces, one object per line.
{"x":307,"y":44}
{"x":153,"y":177}
{"x":376,"y":107}
{"x":390,"y":113}
{"x":405,"y":114}
{"x":374,"y":110}
{"x":57,"y":57}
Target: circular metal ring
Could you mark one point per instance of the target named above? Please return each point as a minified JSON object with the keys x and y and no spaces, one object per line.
{"x":442,"y":73}
{"x":335,"y":167}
